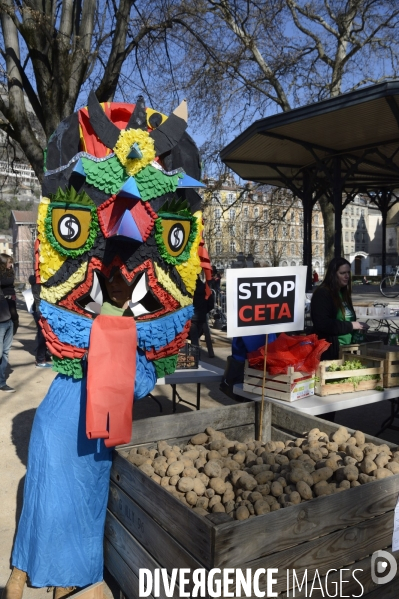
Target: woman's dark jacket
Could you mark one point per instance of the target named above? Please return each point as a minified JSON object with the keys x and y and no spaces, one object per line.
{"x":8,"y":290}
{"x":325,"y":324}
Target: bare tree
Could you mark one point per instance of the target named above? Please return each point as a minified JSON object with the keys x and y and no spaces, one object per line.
{"x":52,"y":51}
{"x":246,"y":57}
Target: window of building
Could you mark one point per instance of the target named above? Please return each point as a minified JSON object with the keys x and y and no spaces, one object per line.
{"x":316,"y":249}
{"x":218,"y":212}
{"x":218,"y":247}
{"x":246,"y":247}
{"x":284,"y":231}
{"x":292,"y":217}
{"x":246,"y":211}
{"x":390,"y":242}
{"x":347,"y":222}
{"x":346,"y":236}
{"x":256,"y":212}
{"x":232,"y":246}
{"x":265,"y":214}
{"x":232,"y":214}
{"x":292,"y":248}
{"x":352,"y":210}
{"x":352,"y":223}
{"x":362,"y":211}
{"x":293,"y":263}
{"x":316,"y":219}
{"x":230,"y":198}
{"x":357,"y":211}
{"x":352,"y":236}
{"x":317,"y":233}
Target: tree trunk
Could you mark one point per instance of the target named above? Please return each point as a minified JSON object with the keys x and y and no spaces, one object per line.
{"x":327,"y":211}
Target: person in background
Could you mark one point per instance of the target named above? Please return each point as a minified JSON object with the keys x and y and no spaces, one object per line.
{"x":202,"y":306}
{"x":215,"y":283}
{"x":365,"y":281}
{"x":9,"y":320}
{"x":332,"y":311}
{"x":315,"y":278}
{"x":43,"y":358}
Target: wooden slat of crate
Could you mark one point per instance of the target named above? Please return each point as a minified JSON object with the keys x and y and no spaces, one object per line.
{"x":149,"y":533}
{"x":164,"y":509}
{"x":334,"y":550}
{"x":127,"y":580}
{"x":133,"y":552}
{"x":273,"y":532}
{"x":322,"y":388}
{"x":278,"y":386}
{"x":390,"y":355}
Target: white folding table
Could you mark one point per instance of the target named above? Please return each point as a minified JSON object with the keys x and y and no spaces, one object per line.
{"x":205,"y":373}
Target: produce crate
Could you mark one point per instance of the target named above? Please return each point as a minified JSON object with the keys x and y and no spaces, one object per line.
{"x":390,"y":355}
{"x":372,"y":365}
{"x":188,"y":356}
{"x":288,"y":387}
{"x":362,"y":349}
{"x":147,"y":527}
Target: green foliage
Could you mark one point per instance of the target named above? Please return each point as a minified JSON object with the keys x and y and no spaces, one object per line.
{"x":5,"y":211}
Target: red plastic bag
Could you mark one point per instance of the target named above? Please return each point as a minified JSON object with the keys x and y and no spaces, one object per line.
{"x":301,"y":352}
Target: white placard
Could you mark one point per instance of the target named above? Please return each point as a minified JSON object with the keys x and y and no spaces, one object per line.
{"x":29,"y":300}
{"x":265,"y":300}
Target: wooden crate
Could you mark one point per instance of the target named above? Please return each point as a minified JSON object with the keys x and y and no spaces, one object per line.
{"x":146,"y":527}
{"x":372,"y":365}
{"x":289,"y":387}
{"x":390,"y":355}
{"x":362,"y":349}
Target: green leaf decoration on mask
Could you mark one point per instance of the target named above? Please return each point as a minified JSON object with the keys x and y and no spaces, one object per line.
{"x":165,"y":366}
{"x":153,"y":183}
{"x":107,"y":175}
{"x":69,"y":366}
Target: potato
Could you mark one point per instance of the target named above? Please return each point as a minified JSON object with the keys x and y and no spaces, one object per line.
{"x":261,"y":507}
{"x":393,"y":467}
{"x":381,"y":460}
{"x":367,"y":466}
{"x":365,"y":478}
{"x":214,"y":455}
{"x":156,"y":478}
{"x":341,"y":435}
{"x":216,"y":444}
{"x":165,"y":481}
{"x":209,"y":493}
{"x":175,"y":468}
{"x":202,"y":502}
{"x":322,"y":488}
{"x":203,"y":477}
{"x":294,"y":497}
{"x":228,"y":496}
{"x":198,"y":486}
{"x":218,"y":507}
{"x":351,"y":472}
{"x":345,"y":484}
{"x":191,"y":454}
{"x":199,"y":439}
{"x":200,"y":511}
{"x":241,"y":513}
{"x":276,"y":489}
{"x":147,"y":469}
{"x":190,"y":472}
{"x":138,"y":460}
{"x":247,"y":482}
{"x":214,"y":500}
{"x":218,"y":485}
{"x":191,"y":498}
{"x":239,"y":457}
{"x":360,"y":438}
{"x":294,"y":452}
{"x":213,"y":469}
{"x":229,"y":506}
{"x":354,"y":452}
{"x":185,"y":484}
{"x":174,"y":480}
{"x":304,"y":490}
{"x":264,"y":477}
{"x":299,"y":474}
{"x":382,"y":473}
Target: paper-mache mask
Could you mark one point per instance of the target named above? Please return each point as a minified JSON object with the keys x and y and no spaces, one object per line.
{"x":118,"y":194}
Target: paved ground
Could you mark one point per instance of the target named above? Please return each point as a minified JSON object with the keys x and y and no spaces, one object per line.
{"x":17,"y":411}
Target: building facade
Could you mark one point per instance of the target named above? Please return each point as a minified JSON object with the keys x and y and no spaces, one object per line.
{"x":24,"y":232}
{"x":264,"y":225}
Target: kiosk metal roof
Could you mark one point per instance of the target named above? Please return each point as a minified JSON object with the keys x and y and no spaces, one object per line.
{"x":360,"y":128}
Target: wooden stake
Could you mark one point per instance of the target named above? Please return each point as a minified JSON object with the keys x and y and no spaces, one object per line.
{"x":263,"y":392}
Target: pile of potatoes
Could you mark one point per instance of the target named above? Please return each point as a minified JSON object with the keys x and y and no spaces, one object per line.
{"x":243,"y":480}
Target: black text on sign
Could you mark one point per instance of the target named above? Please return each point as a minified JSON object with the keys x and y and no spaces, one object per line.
{"x":264,"y":300}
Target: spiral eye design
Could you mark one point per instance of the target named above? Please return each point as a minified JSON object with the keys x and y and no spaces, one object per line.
{"x":71,"y":229}
{"x":174,"y":235}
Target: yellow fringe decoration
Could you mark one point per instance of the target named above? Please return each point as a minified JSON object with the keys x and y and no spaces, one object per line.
{"x":125,"y":141}
{"x":57,"y":292}
{"x":190,"y":269}
{"x":50,"y":261}
{"x":165,"y":281}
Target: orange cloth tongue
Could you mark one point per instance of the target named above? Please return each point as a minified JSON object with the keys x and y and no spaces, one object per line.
{"x":110,"y":379}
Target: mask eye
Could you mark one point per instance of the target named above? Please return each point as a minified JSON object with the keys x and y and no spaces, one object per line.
{"x":174,"y":237}
{"x":71,"y":229}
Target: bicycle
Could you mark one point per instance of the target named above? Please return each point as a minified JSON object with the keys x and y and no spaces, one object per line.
{"x":389,"y":286}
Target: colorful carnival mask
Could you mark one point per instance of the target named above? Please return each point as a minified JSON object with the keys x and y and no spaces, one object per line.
{"x":119,"y":199}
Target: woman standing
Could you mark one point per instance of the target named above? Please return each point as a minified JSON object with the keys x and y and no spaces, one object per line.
{"x":8,"y":316}
{"x":332,"y":312}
